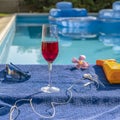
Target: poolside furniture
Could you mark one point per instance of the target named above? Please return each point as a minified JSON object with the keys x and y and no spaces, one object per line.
{"x":64,"y":5}
{"x":73,"y":22}
{"x":109,"y":26}
{"x":116,"y":5}
{"x":110,"y":20}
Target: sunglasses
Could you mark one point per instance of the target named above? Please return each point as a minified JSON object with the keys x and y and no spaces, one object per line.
{"x":13,"y":72}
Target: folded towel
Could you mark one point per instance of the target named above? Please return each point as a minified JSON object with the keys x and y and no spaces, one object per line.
{"x":87,"y":103}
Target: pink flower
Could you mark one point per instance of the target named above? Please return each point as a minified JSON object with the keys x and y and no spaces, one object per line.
{"x":75,"y":60}
{"x":80,"y":63}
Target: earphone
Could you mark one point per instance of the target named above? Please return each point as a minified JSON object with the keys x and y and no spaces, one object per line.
{"x":92,"y":79}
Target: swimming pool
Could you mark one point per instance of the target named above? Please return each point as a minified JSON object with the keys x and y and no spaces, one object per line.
{"x":24,"y":47}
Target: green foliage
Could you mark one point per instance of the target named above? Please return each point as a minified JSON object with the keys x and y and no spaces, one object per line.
{"x":3,"y":14}
{"x":90,"y":5}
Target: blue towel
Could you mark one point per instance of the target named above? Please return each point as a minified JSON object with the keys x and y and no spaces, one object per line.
{"x":87,"y":103}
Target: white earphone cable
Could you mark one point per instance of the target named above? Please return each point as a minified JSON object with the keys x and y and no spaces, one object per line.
{"x":85,"y":76}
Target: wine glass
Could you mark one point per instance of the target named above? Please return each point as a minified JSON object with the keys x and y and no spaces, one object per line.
{"x":50,"y":49}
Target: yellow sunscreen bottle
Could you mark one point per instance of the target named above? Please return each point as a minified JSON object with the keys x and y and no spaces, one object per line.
{"x":111,"y":69}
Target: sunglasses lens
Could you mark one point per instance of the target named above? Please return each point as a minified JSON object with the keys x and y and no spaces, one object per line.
{"x":15,"y":73}
{"x":11,"y":72}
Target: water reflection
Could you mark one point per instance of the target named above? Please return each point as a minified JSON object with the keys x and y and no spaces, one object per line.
{"x":25,"y":48}
{"x":111,"y":40}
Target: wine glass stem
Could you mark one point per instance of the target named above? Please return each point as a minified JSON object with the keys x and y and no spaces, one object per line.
{"x":50,"y":69}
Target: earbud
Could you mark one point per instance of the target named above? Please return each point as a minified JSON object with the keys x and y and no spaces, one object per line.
{"x":88,"y":76}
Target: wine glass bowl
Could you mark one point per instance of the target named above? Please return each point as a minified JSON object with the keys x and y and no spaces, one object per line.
{"x":50,"y":49}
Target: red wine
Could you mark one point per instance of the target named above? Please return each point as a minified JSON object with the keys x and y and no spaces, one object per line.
{"x":50,"y":50}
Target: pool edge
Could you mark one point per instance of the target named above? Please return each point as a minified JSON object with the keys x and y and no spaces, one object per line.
{"x":7,"y":28}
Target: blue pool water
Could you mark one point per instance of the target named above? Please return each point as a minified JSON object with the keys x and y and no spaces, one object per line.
{"x":25,"y":47}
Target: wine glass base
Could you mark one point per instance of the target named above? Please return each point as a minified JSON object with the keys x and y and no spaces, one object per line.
{"x":49,"y":89}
